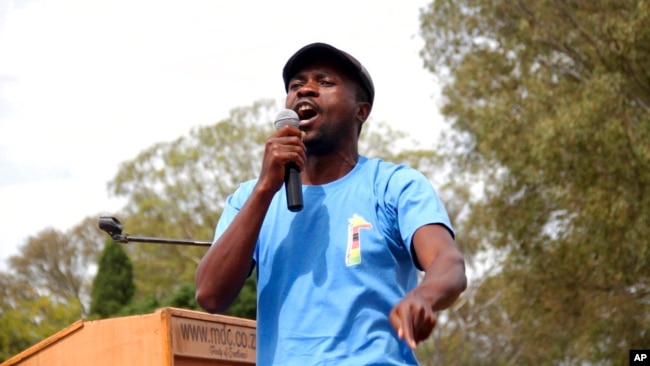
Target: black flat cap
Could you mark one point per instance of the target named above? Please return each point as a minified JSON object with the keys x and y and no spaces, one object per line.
{"x":322,"y":51}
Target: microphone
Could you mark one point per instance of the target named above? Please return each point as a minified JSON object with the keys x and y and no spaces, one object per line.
{"x":292,"y":180}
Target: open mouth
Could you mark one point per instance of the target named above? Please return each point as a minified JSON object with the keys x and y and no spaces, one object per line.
{"x":306,"y":112}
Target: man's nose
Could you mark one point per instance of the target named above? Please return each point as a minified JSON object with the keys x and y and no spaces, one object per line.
{"x":308,"y":89}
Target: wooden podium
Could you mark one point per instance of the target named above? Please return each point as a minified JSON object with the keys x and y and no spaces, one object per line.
{"x":167,"y":337}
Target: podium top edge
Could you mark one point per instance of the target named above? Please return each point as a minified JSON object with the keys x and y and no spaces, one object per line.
{"x":200,"y":315}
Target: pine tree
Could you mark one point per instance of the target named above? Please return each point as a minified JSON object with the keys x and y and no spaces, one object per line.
{"x":113,"y":286}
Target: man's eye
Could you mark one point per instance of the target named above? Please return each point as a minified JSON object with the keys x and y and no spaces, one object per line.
{"x":294,"y":86}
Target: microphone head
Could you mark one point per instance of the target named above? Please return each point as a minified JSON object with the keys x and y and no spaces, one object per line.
{"x":286,"y":117}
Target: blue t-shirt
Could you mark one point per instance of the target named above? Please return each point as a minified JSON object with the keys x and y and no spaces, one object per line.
{"x":329,"y":275}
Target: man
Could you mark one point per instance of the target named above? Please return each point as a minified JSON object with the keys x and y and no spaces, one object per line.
{"x":337,"y":281}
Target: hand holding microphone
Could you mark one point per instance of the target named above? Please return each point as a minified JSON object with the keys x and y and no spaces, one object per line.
{"x":292,"y":179}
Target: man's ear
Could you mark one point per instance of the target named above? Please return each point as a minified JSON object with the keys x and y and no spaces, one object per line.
{"x":363,"y":111}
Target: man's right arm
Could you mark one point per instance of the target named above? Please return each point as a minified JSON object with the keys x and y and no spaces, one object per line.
{"x":223,"y":270}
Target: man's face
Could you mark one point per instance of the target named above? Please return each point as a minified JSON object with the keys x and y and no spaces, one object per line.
{"x":326,"y":103}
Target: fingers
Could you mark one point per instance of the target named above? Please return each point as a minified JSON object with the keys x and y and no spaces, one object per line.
{"x":283,"y":147}
{"x":407,"y":325}
{"x":286,"y":146}
{"x":399,"y":320}
{"x":412,"y":323}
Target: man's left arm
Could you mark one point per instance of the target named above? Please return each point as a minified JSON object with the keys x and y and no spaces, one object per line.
{"x":414,"y":317}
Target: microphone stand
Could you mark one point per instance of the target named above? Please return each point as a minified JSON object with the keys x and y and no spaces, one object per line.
{"x":113,"y":227}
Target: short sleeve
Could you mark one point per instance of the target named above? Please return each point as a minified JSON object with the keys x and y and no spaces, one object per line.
{"x":415,"y":203}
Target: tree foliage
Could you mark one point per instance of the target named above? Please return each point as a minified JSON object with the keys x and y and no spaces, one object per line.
{"x":46,"y":287}
{"x":113,"y":286}
{"x":56,"y":263}
{"x":27,"y":316}
{"x":177,"y":190}
{"x":550,"y":104}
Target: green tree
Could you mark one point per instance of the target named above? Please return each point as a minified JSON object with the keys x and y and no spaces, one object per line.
{"x":177,"y":190}
{"x":549,"y":102}
{"x":47,"y":285}
{"x":243,"y":307}
{"x":56,"y":263}
{"x":113,"y":286}
{"x":145,"y":305}
{"x":27,"y":316}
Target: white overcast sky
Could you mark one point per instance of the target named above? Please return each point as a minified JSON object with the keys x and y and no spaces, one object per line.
{"x":87,"y":84}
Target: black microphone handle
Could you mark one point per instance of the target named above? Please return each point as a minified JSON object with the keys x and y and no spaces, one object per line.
{"x":293,"y":186}
{"x":292,"y":179}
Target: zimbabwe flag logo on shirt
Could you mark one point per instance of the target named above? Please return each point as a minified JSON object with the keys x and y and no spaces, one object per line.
{"x":353,"y":253}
